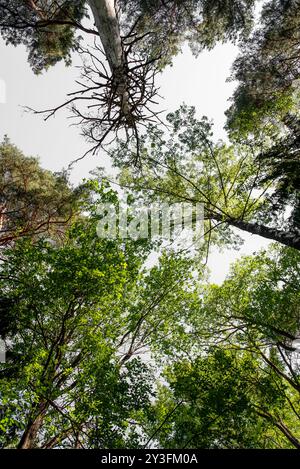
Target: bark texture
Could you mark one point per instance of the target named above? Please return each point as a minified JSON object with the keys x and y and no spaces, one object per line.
{"x":289,"y":239}
{"x":107,"y":23}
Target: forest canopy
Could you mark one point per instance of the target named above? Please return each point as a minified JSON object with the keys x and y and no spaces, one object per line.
{"x":113,"y":341}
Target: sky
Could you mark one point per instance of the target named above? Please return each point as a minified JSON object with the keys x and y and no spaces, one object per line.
{"x":200,"y":82}
{"x":196,"y":81}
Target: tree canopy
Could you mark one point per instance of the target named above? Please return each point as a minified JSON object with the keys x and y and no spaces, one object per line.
{"x":267,"y":96}
{"x":49,"y":28}
{"x":267,"y":69}
{"x":91,"y":330}
{"x":34,"y":201}
{"x":119,"y":339}
{"x":78,"y":318}
{"x":185,"y":164}
{"x":242,"y":390}
{"x":46,"y":28}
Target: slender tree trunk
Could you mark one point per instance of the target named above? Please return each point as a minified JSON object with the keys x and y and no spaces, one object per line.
{"x":284,"y":237}
{"x":107,"y":23}
{"x":289,"y":239}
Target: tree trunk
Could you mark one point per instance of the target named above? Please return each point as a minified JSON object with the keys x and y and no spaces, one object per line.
{"x":288,"y":239}
{"x":107,"y":23}
{"x":29,"y":436}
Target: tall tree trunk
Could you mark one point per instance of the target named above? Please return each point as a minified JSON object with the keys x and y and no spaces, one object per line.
{"x":289,"y":239}
{"x":29,"y":436}
{"x":107,"y":23}
{"x":284,"y":237}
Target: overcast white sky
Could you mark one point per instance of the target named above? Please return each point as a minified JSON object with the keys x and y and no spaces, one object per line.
{"x":200,"y":82}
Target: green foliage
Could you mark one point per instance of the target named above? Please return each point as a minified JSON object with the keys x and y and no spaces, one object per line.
{"x":281,"y":164}
{"x":108,"y":348}
{"x":266,"y":101}
{"x":185,"y":164}
{"x":259,"y":300}
{"x":211,"y":403}
{"x":33,"y":201}
{"x":240,"y":387}
{"x":202,"y":23}
{"x":67,"y":308}
{"x":267,"y":69}
{"x":80,"y":313}
{"x":46,"y":28}
{"x":89,"y":327}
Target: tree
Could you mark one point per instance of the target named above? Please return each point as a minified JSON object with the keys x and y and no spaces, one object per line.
{"x":164,"y":23}
{"x":267,"y":70}
{"x":256,"y":310}
{"x":261,"y":313}
{"x":80,"y":317}
{"x":239,"y":387}
{"x":201,"y":23}
{"x":281,"y":165}
{"x":138,"y":39}
{"x":267,"y":97}
{"x":34,"y":201}
{"x":215,"y":402}
{"x":185,"y":165}
{"x":47,"y":28}
{"x":261,"y":293}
